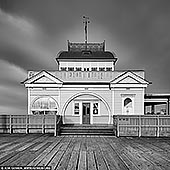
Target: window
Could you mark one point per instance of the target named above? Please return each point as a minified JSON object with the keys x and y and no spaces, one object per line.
{"x":44,"y":105}
{"x":63,"y":68}
{"x":44,"y":112}
{"x":95,"y":108}
{"x":101,"y":68}
{"x":78,"y":68}
{"x":86,"y":52}
{"x":128,"y":104}
{"x":86,"y":69}
{"x":108,"y":68}
{"x":70,"y":68}
{"x":94,"y":69}
{"x":76,"y":108}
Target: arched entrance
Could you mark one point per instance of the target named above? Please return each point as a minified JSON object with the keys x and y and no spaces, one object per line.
{"x":86,"y":108}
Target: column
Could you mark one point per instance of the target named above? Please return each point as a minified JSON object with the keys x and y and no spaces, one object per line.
{"x":29,"y":100}
{"x":145,"y":110}
{"x":168,"y":107}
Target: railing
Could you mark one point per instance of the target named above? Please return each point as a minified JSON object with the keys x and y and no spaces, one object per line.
{"x":142,"y":125}
{"x":30,"y":124}
{"x":58,"y":124}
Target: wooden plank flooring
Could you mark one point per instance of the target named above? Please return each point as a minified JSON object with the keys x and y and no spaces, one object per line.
{"x":85,"y":152}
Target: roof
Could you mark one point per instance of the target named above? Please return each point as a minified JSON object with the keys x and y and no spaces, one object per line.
{"x":39,"y":75}
{"x":87,"y":55}
{"x":157,"y":95}
{"x":129,"y":77}
{"x":86,"y":52}
{"x":155,"y":101}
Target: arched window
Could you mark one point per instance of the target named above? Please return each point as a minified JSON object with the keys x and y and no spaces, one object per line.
{"x":44,"y":105}
{"x":128,"y":106}
{"x":127,"y":102}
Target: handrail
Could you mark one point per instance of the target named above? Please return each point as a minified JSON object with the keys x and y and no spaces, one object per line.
{"x":142,"y":125}
{"x":28,"y":123}
{"x":59,"y":119}
{"x":58,"y":126}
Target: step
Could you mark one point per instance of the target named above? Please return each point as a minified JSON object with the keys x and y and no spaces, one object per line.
{"x":89,"y":134}
{"x":77,"y":129}
{"x":85,"y":128}
{"x":87,"y":125}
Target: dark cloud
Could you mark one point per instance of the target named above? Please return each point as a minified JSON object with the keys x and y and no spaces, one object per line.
{"x":13,"y":96}
{"x":32,"y":32}
{"x":20,"y":41}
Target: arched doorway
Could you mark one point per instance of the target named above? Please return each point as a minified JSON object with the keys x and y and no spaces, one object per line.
{"x":86,"y":108}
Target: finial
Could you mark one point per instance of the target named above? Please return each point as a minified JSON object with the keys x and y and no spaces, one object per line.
{"x":86,"y":21}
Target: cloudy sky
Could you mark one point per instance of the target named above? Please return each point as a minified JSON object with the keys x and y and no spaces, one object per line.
{"x":32,"y":32}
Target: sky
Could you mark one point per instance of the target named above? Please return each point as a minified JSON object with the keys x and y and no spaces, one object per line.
{"x":32,"y":32}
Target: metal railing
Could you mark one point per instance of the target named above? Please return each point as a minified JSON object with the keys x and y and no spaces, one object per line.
{"x":142,"y":125}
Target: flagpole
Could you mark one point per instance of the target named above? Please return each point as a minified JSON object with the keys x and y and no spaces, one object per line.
{"x":86,"y":22}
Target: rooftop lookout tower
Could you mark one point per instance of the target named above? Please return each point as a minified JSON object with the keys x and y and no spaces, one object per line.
{"x":86,"y":56}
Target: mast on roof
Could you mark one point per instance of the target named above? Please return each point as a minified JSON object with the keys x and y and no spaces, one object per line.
{"x":86,"y":22}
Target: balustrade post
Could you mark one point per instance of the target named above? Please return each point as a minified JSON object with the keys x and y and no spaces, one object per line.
{"x":158,"y":124}
{"x":139,"y":126}
{"x":10,"y":124}
{"x":118,"y":126}
{"x":43,"y":123}
{"x":168,"y":107}
{"x":27,"y":124}
{"x":55,"y":125}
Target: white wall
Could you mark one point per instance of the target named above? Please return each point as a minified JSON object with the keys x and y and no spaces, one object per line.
{"x":138,"y":95}
{"x":87,"y":64}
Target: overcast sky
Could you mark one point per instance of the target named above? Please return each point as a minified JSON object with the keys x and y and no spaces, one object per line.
{"x":32,"y":32}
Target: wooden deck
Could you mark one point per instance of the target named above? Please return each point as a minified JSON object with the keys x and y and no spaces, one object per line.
{"x":84,"y":152}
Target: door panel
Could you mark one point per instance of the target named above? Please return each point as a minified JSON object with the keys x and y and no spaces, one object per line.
{"x":86,"y":113}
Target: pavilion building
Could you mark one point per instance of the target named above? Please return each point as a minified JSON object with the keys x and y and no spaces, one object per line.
{"x":86,"y":88}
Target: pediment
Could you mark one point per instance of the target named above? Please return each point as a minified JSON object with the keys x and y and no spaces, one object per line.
{"x":129,"y":78}
{"x":43,"y":77}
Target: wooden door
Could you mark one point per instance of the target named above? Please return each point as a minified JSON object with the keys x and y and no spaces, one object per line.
{"x":86,"y":113}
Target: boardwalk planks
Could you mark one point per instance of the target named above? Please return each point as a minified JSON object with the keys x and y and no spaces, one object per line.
{"x":85,"y":152}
